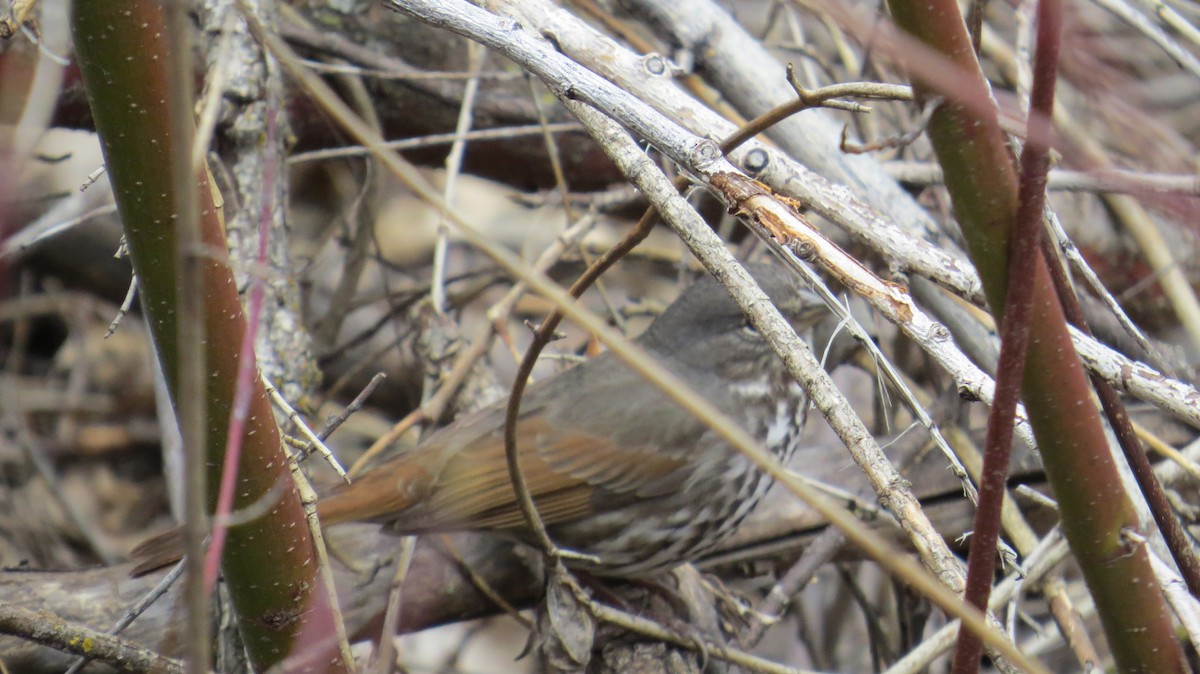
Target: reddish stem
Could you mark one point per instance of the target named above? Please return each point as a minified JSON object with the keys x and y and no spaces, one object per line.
{"x":1014,"y":330}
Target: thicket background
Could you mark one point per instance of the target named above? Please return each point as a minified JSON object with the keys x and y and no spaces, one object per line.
{"x":350,"y":278}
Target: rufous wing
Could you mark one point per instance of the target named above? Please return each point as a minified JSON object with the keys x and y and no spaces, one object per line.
{"x":569,"y":472}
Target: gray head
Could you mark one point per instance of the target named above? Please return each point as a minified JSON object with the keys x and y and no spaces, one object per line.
{"x":705,"y":325}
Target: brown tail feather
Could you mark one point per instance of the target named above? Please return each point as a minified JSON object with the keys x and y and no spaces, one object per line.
{"x":157,"y":551}
{"x":379,"y":495}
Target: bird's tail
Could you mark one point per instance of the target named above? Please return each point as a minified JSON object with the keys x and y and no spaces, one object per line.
{"x":157,"y":552}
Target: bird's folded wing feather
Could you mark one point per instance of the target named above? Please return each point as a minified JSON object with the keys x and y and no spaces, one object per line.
{"x":564,"y":469}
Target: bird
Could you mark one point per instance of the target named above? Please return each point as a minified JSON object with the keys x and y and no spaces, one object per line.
{"x":621,"y":475}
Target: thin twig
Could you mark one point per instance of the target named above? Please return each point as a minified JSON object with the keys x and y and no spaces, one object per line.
{"x":476,"y":57}
{"x":126,"y":305}
{"x":384,"y":660}
{"x":314,"y":439}
{"x":308,"y":499}
{"x":481,"y":583}
{"x":436,"y":139}
{"x":1067,"y":180}
{"x":815,"y":555}
{"x":335,"y":421}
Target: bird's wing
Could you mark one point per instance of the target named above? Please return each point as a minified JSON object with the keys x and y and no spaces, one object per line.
{"x":569,"y":472}
{"x":576,"y":457}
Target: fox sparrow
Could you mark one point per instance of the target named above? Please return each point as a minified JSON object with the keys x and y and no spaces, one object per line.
{"x":618,"y":471}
